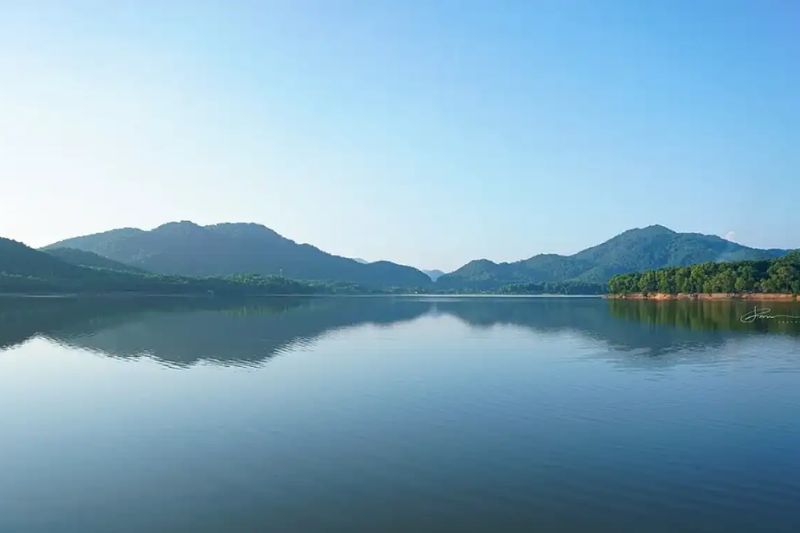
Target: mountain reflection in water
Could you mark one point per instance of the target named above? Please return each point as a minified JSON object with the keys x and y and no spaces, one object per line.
{"x":184,"y":331}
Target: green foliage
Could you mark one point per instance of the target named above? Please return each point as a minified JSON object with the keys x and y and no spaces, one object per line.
{"x":566,"y":287}
{"x":780,"y":275}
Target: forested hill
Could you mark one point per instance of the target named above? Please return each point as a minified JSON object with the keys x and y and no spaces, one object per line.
{"x":632,"y":251}
{"x":91,"y":260}
{"x":253,"y":253}
{"x":187,"y":249}
{"x":25,"y":270}
{"x":780,"y":275}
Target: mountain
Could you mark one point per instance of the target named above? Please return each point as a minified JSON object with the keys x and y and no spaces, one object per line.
{"x":25,"y":270}
{"x":434,"y":274}
{"x":634,"y":250}
{"x":82,"y":258}
{"x":16,"y":259}
{"x":187,"y":249}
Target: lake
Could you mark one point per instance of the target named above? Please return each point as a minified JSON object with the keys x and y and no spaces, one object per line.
{"x":398,"y":414}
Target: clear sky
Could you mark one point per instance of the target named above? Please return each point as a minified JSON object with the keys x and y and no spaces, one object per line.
{"x":428,"y":133}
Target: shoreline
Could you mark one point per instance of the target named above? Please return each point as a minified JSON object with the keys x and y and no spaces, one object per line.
{"x":54,"y":295}
{"x":661,"y":296}
{"x":656,"y":296}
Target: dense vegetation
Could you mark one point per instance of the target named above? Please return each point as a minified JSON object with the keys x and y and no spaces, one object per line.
{"x":187,"y":249}
{"x":565,"y":287}
{"x":780,"y":275}
{"x":634,"y":250}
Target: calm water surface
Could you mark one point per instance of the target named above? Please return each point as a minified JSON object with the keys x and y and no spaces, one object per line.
{"x":397,"y":414}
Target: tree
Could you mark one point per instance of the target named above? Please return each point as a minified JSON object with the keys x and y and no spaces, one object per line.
{"x":682,"y":280}
{"x":745,"y":278}
{"x":648,"y":282}
{"x":724,"y":280}
{"x":665,"y":281}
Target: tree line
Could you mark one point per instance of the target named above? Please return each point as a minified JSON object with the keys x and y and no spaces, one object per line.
{"x":780,"y":275}
{"x":553,"y":287}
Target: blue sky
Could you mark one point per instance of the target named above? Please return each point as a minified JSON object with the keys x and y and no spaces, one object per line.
{"x":428,"y":133}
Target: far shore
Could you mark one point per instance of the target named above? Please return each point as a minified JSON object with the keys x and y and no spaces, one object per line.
{"x":658,"y":296}
{"x":765,"y":296}
{"x":133,"y":294}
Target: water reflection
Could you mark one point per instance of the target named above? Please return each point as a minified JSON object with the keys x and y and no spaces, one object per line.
{"x":184,"y":331}
{"x":454,"y":414}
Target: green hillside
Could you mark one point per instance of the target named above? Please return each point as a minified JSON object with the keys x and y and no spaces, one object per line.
{"x":82,"y":258}
{"x":187,"y":249}
{"x":631,"y":251}
{"x":25,"y":270}
{"x":781,"y":275}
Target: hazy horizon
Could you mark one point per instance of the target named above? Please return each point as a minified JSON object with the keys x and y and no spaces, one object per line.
{"x":425,"y":135}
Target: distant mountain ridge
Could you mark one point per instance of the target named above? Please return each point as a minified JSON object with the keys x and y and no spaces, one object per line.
{"x":188,"y":249}
{"x":434,"y":274}
{"x":24,"y":270}
{"x":219,"y":250}
{"x":631,"y":251}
